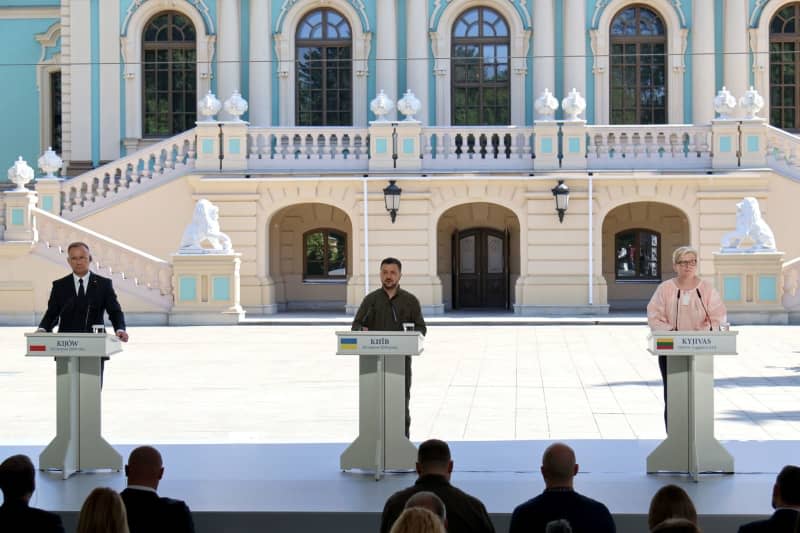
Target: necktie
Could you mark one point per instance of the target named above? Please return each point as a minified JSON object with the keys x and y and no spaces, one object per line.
{"x":81,"y":292}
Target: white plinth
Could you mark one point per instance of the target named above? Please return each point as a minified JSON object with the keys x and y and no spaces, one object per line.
{"x":690,"y":445}
{"x":381,"y":443}
{"x":78,"y":444}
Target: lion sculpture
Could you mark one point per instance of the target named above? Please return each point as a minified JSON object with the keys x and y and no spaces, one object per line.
{"x":749,"y":224}
{"x":203,"y":234}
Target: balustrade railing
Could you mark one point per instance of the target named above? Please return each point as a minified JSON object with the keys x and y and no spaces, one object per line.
{"x":153,"y":276}
{"x":678,"y":146}
{"x":477,"y":147}
{"x":783,"y":149}
{"x":137,"y":172}
{"x":791,"y":285}
{"x":308,"y":147}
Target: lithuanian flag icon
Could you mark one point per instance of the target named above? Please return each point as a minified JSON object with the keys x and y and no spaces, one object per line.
{"x":664,"y":343}
{"x":348,"y":343}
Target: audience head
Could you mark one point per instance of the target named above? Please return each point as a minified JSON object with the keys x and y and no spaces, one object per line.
{"x":676,"y":525}
{"x":670,"y":501}
{"x":433,"y":457}
{"x":558,"y":465}
{"x":558,"y":526}
{"x":417,"y":520}
{"x":430,"y":501}
{"x":144,"y":467}
{"x":17,"y":478}
{"x":786,"y":492}
{"x":103,"y":512}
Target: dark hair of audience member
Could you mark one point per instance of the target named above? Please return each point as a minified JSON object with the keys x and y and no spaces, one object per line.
{"x":430,"y":501}
{"x":103,"y":512}
{"x":433,"y":452}
{"x":789,"y":484}
{"x":670,"y":501}
{"x":17,"y":477}
{"x":676,"y":525}
{"x":417,"y":520}
{"x":558,"y":526}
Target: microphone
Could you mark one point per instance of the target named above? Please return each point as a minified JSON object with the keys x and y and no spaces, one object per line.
{"x":86,"y":320}
{"x":710,"y":326}
{"x":677,"y":309}
{"x":364,"y":318}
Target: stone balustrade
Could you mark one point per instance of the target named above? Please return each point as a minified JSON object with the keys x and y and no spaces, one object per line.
{"x":152,"y":276}
{"x":307,"y":147}
{"x":782,"y":150}
{"x":668,"y":146}
{"x":477,"y":148}
{"x":791,"y":288}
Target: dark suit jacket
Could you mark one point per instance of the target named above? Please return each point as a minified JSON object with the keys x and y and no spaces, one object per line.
{"x":63,"y":308}
{"x":17,"y":517}
{"x":781,"y":521}
{"x":584,"y":514}
{"x":150,"y":513}
{"x":465,"y":513}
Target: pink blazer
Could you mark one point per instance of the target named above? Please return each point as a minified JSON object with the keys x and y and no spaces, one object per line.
{"x":692,"y":313}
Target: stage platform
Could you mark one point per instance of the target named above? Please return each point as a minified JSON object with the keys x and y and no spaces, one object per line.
{"x":298,"y":488}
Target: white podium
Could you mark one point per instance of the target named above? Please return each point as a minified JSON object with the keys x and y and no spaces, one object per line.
{"x":690,"y":445}
{"x":381,"y":443}
{"x":78,"y":444}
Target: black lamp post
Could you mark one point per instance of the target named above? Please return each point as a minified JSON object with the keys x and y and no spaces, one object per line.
{"x":561,"y":194}
{"x":391,"y":196}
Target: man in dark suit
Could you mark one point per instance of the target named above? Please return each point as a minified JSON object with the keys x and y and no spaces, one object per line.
{"x":785,"y":501}
{"x":18,"y":481}
{"x":78,"y":301}
{"x":147,"y":511}
{"x":559,"y":501}
{"x":465,"y":513}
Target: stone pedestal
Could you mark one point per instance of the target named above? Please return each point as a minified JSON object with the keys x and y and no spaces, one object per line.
{"x":546,"y":148}
{"x":574,"y":145}
{"x":408,"y":133}
{"x":208,"y":145}
{"x":207,"y":288}
{"x":754,"y":143}
{"x":49,"y":191}
{"x":20,"y":222}
{"x":234,"y":138}
{"x":750,"y":284}
{"x":726,"y":143}
{"x":395,"y":145}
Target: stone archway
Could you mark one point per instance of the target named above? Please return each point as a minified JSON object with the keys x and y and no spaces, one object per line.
{"x":633,"y":272}
{"x":487,"y":227}
{"x":301,"y":282}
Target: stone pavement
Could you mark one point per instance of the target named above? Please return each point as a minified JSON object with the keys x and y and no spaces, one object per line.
{"x":283,"y":383}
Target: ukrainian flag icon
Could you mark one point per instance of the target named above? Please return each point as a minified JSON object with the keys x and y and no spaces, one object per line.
{"x":348,"y":343}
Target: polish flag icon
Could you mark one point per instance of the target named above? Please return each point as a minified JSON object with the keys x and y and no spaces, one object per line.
{"x":37,"y":348}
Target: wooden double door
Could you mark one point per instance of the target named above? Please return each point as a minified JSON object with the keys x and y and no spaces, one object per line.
{"x":480,"y":268}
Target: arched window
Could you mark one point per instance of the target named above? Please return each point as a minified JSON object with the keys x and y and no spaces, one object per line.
{"x":324,"y":81}
{"x":325,"y":254}
{"x":784,"y":48}
{"x":480,"y":92}
{"x":638,"y":255}
{"x":169,"y":65}
{"x":638,"y":67}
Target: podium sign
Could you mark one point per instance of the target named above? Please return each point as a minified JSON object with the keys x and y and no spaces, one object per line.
{"x":78,"y":444}
{"x":690,"y":445}
{"x":381,"y":443}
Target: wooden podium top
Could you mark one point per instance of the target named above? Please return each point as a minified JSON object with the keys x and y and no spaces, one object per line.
{"x":692,"y":342}
{"x":42,"y":344}
{"x":379,"y":342}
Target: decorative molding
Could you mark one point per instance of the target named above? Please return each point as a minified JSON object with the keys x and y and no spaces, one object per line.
{"x":33,"y":12}
{"x":48,"y":39}
{"x":755,"y":15}
{"x":287,"y":6}
{"x":601,"y":5}
{"x":199,"y":5}
{"x":439,"y":6}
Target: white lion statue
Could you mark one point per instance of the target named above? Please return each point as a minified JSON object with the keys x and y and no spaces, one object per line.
{"x":749,"y":224}
{"x":203,"y":235}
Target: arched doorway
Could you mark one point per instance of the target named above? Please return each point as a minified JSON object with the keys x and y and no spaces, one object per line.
{"x":638,"y":240}
{"x":310,"y":257}
{"x":478,"y":259}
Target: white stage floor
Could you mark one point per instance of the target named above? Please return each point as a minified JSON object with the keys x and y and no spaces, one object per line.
{"x":282,"y":487}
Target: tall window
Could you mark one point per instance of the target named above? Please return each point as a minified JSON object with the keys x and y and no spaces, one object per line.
{"x":638,"y":67}
{"x":480,"y":66}
{"x":324,"y":70}
{"x":326,"y":254}
{"x":784,"y":47}
{"x":55,"y":111}
{"x":170,"y":75}
{"x":638,"y":253}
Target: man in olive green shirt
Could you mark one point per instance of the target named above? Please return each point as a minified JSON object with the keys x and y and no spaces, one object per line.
{"x":387,"y":309}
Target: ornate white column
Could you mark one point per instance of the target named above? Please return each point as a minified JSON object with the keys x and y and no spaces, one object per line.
{"x":574,"y":48}
{"x":228,"y":52}
{"x":386,"y":51}
{"x":417,"y":52}
{"x":260,"y":63}
{"x":544,"y":47}
{"x":77,"y":86}
{"x":703,"y":72}
{"x":735,"y":46}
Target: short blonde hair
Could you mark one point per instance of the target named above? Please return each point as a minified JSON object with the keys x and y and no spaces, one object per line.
{"x":418,"y":520}
{"x":103,"y":512}
{"x":683,"y":250}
